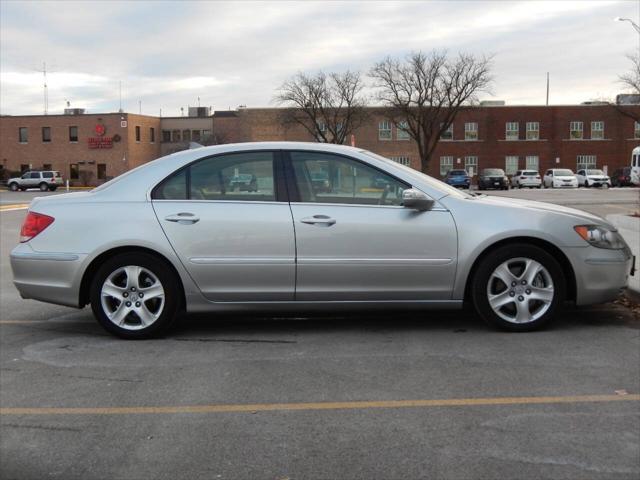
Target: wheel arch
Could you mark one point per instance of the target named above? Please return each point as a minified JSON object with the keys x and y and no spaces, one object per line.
{"x":570,"y":280}
{"x":92,"y":268}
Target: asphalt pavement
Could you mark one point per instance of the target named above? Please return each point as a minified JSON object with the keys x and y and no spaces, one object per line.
{"x":379,"y":395}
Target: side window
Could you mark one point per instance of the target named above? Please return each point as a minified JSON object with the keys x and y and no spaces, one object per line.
{"x":26,"y":175}
{"x":241,"y":176}
{"x":549,"y":172}
{"x":35,"y":175}
{"x":327,"y":178}
{"x":47,"y":174}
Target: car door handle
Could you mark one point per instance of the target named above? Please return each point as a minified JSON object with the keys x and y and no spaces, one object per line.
{"x":183,"y":218}
{"x":319,"y":220}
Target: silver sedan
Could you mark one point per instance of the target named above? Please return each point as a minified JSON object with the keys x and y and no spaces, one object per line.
{"x":298,"y":226}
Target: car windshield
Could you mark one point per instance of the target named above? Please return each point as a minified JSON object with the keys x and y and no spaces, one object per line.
{"x":595,"y":172}
{"x":455,"y":173}
{"x":563,"y":173}
{"x":493,"y":172}
{"x":438,"y":184}
{"x":529,"y":173}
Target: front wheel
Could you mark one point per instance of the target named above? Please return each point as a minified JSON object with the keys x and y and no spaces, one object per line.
{"x":135,"y":296}
{"x":518,"y":288}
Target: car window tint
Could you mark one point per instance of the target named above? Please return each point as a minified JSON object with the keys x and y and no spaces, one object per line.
{"x":173,"y":188}
{"x":327,"y":178}
{"x":35,"y":175}
{"x":241,"y":176}
{"x":47,"y":174}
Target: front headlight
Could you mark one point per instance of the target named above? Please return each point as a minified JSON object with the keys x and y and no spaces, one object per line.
{"x":600,"y":236}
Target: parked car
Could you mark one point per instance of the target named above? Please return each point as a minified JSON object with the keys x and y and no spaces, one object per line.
{"x":458,"y":178}
{"x":423,"y":244}
{"x":44,"y":180}
{"x":526,"y":178}
{"x":592,"y":177}
{"x":493,"y":178}
{"x":621,"y":177}
{"x":243,"y":182}
{"x":559,"y":178}
{"x":320,"y":181}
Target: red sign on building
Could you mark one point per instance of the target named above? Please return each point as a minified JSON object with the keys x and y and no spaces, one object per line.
{"x":100,"y":141}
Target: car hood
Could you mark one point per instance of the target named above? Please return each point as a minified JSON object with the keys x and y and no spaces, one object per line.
{"x":547,"y":207}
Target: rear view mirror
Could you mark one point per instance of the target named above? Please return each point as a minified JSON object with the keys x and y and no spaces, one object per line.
{"x":415,"y":199}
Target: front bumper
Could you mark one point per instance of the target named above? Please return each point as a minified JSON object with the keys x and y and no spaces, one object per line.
{"x":601,"y":274}
{"x":48,"y":277}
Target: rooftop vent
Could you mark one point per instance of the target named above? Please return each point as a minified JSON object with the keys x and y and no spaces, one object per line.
{"x":74,"y":111}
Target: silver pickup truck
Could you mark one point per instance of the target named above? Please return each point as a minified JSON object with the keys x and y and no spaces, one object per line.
{"x":44,"y":180}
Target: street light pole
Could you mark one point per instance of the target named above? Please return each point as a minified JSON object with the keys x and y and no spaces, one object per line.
{"x":634,"y":25}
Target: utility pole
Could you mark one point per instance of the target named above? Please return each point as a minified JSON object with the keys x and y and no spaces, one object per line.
{"x":547,"y":89}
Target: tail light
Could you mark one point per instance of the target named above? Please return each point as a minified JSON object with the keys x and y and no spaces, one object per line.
{"x":537,"y":177}
{"x":33,"y":225}
{"x":523,"y":178}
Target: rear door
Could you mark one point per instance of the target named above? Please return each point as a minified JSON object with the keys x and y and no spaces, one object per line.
{"x":356,"y":242}
{"x":231,"y":227}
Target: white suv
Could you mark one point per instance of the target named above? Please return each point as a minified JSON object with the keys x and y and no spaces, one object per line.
{"x":592,"y":178}
{"x":526,"y":178}
{"x":44,"y":180}
{"x":560,"y":178}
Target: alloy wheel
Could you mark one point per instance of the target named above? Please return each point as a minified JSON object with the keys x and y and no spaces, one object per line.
{"x":132,"y":297}
{"x":520,"y":290}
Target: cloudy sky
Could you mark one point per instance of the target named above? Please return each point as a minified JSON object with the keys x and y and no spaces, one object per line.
{"x":167,"y":54}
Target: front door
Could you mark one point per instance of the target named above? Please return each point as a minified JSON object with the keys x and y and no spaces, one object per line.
{"x":356,"y":242}
{"x":223,"y":218}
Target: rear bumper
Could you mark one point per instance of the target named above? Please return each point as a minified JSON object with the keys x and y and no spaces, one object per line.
{"x":601,"y":274}
{"x":48,"y":277}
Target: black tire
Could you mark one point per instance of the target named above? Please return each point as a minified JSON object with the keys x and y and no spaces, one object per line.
{"x":23,"y":189}
{"x":13,"y":186}
{"x":586,"y":184}
{"x":483,"y":274}
{"x":43,"y":187}
{"x":167,"y":279}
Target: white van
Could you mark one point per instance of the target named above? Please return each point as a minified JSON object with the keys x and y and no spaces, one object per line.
{"x":635,"y":166}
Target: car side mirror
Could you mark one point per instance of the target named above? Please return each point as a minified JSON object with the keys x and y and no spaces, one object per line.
{"x":415,"y":199}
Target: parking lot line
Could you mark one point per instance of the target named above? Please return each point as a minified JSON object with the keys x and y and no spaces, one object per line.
{"x":283,"y":407}
{"x":12,"y":207}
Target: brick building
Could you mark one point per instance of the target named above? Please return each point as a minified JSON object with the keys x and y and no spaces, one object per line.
{"x":508,"y":137}
{"x":86,"y":148}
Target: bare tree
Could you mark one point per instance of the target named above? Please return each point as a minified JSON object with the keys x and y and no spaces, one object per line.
{"x":329,"y":107}
{"x":631,"y":81}
{"x":424,"y":92}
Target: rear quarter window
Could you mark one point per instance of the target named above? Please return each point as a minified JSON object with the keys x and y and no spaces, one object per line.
{"x":47,"y":174}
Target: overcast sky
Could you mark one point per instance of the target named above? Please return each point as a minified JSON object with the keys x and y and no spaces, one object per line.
{"x":167,"y":54}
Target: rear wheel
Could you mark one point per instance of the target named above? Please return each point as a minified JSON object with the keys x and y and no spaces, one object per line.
{"x":13,"y":187}
{"x":43,"y":187}
{"x":518,"y":288}
{"x":135,"y":296}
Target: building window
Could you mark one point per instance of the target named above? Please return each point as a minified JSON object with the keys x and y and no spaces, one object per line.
{"x":533,"y":131}
{"x":471,"y":164}
{"x":175,"y":136}
{"x":636,"y":130}
{"x":23,"y":134}
{"x":448,"y":133}
{"x":446,"y":164}
{"x":384,"y":130}
{"x":206,"y":134}
{"x":74,"y":171}
{"x":401,"y":160}
{"x":510,"y":164}
{"x":402,"y":132}
{"x":575,"y":130}
{"x":166,"y":136}
{"x":152,"y":135}
{"x":73,"y":134}
{"x":586,"y":161}
{"x":102,"y":171}
{"x":24,"y":167}
{"x":597,"y":130}
{"x":46,"y":166}
{"x":533,"y":163}
{"x":137,"y":133}
{"x":46,"y":134}
{"x":471,"y":131}
{"x":195,"y":135}
{"x":512,"y":131}
{"x":186,"y":135}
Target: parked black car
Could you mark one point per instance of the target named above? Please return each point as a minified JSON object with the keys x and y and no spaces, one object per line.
{"x":493,"y":178}
{"x":621,"y":177}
